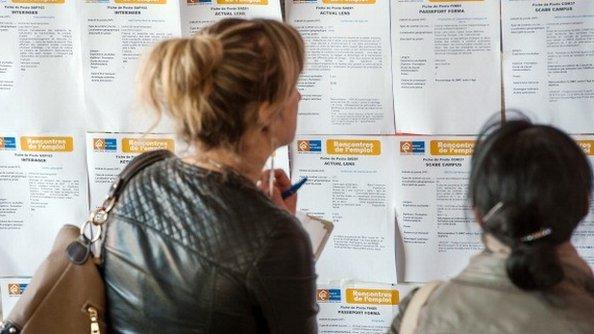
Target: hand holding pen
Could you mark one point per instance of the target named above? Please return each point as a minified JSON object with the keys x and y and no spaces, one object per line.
{"x":281,"y":186}
{"x":293,"y":189}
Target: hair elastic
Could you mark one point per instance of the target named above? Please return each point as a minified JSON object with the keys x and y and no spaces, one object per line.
{"x":537,"y":235}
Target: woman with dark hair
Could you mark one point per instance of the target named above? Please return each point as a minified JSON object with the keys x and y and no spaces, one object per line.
{"x":530,"y":187}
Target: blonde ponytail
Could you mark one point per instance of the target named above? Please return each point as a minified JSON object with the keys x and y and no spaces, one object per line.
{"x":213,"y":83}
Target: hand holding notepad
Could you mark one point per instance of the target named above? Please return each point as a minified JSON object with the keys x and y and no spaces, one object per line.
{"x":318,"y":231}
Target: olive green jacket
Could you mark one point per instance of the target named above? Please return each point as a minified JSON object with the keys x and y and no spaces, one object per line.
{"x":483,"y":300}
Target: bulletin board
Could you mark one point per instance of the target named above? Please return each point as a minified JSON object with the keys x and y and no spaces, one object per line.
{"x":393,"y":96}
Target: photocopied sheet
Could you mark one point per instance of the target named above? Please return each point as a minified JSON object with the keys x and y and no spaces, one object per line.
{"x":436,"y":226}
{"x":359,"y":308}
{"x":446,"y":65}
{"x":109,"y":153}
{"x":346,"y":84}
{"x":350,"y":181}
{"x":548,"y":61}
{"x":583,"y":236}
{"x":91,"y":51}
{"x":115,"y":34}
{"x":196,"y":14}
{"x":40,"y":66}
{"x":43,"y":185}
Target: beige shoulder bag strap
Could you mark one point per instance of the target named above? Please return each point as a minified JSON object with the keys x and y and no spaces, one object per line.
{"x":411,"y":314}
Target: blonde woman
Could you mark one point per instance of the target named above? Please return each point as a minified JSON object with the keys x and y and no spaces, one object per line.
{"x":193,"y":245}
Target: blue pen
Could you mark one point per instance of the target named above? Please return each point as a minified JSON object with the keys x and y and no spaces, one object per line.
{"x":289,"y":192}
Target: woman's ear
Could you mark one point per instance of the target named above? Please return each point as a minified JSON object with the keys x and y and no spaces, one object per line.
{"x":265,"y":116}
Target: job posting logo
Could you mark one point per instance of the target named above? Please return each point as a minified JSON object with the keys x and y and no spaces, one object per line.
{"x":328,"y":295}
{"x":7,"y":143}
{"x":16,"y":289}
{"x":412,"y":147}
{"x":105,"y":144}
{"x":309,"y":146}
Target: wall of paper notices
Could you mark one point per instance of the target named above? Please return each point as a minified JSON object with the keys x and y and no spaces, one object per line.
{"x":394,"y":93}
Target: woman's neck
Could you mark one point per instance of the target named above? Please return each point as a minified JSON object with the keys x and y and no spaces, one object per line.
{"x":566,"y":252}
{"x":248,"y":164}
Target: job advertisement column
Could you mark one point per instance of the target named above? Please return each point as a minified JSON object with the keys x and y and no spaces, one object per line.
{"x":446,"y":63}
{"x":196,"y":14}
{"x":435,"y":222}
{"x":346,"y":85}
{"x":43,"y":186}
{"x":40,"y":66}
{"x":548,"y":61}
{"x":583,"y":237}
{"x":349,"y":182}
{"x":365,"y":308}
{"x":115,"y":35}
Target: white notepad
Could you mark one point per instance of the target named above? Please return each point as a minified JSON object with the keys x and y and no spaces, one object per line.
{"x":318,"y":230}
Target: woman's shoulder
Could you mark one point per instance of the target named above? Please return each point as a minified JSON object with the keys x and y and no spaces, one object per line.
{"x":192,"y":199}
{"x":482,"y":284}
{"x":148,"y":187}
{"x":473,"y":307}
{"x":184,"y":191}
{"x":174,"y":181}
{"x":402,"y":307}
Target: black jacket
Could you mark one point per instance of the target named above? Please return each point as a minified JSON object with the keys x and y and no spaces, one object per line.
{"x":193,"y":251}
